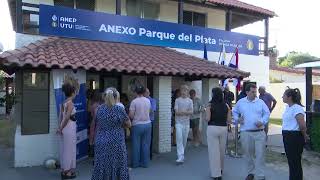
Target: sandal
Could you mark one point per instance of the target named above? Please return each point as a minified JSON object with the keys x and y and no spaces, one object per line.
{"x":64,"y":175}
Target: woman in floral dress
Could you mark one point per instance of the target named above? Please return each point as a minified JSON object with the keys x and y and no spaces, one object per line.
{"x":110,"y":149}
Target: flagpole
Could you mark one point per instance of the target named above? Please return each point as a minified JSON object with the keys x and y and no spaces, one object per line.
{"x":236,"y":155}
{"x":239,"y":80}
{"x":220,"y":53}
{"x":205,"y":52}
{"x":234,"y":53}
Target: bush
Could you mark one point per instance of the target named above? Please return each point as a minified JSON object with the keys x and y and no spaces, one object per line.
{"x":10,"y":100}
{"x":315,"y":133}
{"x":275,"y":80}
{"x":7,"y":131}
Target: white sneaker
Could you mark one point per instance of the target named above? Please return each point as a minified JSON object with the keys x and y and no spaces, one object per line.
{"x":180,"y":160}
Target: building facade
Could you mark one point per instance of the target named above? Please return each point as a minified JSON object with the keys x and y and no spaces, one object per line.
{"x":105,"y":64}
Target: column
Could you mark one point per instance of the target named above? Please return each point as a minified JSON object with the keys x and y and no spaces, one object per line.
{"x":19,"y":25}
{"x":266,"y":36}
{"x":308,"y":97}
{"x":162,"y":86}
{"x":229,"y":20}
{"x":118,"y":7}
{"x":180,"y":12}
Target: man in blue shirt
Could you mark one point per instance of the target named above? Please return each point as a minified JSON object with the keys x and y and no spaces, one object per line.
{"x":269,"y":100}
{"x":253,"y":114}
{"x":152,"y":115}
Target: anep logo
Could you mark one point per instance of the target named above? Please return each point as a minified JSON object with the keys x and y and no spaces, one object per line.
{"x":54,"y":21}
{"x":63,"y":22}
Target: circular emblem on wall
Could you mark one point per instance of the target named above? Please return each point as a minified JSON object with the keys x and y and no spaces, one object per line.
{"x":250,"y":45}
{"x":54,"y":18}
{"x":54,"y":24}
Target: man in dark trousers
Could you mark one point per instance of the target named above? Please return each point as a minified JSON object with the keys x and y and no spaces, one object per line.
{"x":152,"y":115}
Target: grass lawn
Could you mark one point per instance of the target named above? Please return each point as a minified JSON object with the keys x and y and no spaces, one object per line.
{"x":6,"y":133}
{"x":276,"y":121}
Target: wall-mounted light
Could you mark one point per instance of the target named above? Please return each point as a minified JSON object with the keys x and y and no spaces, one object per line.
{"x":33,"y":78}
{"x":93,"y":85}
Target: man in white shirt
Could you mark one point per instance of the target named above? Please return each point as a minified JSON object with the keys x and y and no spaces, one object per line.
{"x":253,"y":114}
{"x":183,"y":110}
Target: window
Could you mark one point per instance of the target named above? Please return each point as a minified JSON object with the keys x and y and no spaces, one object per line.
{"x":93,"y":81}
{"x":66,"y":3}
{"x":85,"y":4}
{"x":30,"y":23}
{"x":35,"y":103}
{"x":77,"y":4}
{"x":143,"y":9}
{"x":194,"y":18}
{"x":111,"y":82}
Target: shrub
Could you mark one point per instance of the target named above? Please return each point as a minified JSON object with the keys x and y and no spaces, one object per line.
{"x":315,"y":133}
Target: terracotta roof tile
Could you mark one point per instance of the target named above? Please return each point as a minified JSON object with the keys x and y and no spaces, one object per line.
{"x":294,"y":70}
{"x":243,"y":5}
{"x":121,"y":57}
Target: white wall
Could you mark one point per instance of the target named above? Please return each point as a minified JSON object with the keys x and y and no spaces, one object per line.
{"x":33,"y":150}
{"x":109,"y":6}
{"x":162,"y":92}
{"x":105,"y":6}
{"x":258,"y":66}
{"x":215,"y":18}
{"x":168,"y":11}
{"x":277,"y":90}
{"x":293,"y":81}
{"x":7,"y":35}
{"x":292,"y":77}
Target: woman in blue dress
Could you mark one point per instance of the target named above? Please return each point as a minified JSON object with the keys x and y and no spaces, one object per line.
{"x":110,"y":149}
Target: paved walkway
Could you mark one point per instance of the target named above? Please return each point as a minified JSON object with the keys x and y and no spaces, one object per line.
{"x":275,"y":137}
{"x":162,"y":167}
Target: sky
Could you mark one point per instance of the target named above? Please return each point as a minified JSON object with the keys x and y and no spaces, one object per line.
{"x":297,"y":27}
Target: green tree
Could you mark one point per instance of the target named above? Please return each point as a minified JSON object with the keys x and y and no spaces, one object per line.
{"x":294,"y":58}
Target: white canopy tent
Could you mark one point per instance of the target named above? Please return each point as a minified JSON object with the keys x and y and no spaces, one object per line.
{"x":314,"y":64}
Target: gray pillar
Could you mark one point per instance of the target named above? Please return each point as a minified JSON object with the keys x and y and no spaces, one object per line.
{"x":229,"y":20}
{"x":19,"y":25}
{"x":308,"y":95}
{"x":180,"y":12}
{"x":118,"y":7}
{"x":266,"y":36}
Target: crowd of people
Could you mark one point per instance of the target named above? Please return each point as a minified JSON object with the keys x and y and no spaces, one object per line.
{"x":111,"y":116}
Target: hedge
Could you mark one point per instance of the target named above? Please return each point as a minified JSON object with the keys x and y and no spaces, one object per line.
{"x":315,"y":133}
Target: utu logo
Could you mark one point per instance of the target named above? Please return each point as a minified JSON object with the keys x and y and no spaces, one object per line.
{"x":67,"y":22}
{"x":54,"y":21}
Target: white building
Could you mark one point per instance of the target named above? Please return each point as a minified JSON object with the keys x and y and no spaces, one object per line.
{"x":283,"y":77}
{"x":159,"y":68}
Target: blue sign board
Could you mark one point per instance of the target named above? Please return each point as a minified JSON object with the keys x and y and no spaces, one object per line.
{"x":83,"y":24}
{"x":80,"y":103}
